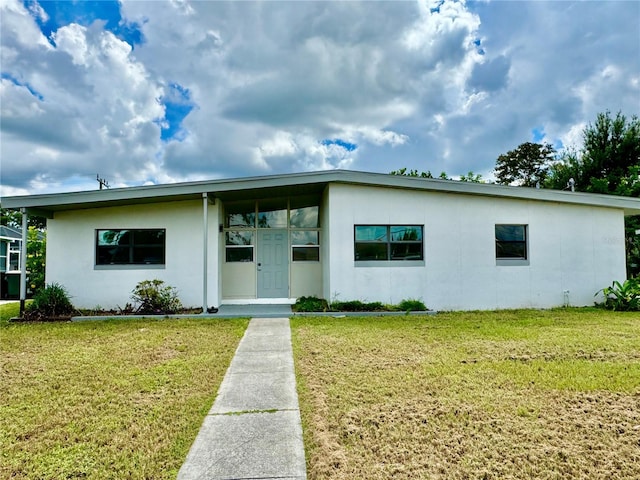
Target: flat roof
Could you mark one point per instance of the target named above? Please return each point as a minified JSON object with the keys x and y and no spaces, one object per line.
{"x":299,"y":184}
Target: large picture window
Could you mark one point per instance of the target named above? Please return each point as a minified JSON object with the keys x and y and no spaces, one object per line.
{"x":130,"y":247}
{"x":388,"y":242}
{"x":511,"y":242}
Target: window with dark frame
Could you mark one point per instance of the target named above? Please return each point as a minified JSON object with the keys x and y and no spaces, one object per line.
{"x":130,"y":247}
{"x":300,"y":215}
{"x":511,"y":242}
{"x":388,"y":242}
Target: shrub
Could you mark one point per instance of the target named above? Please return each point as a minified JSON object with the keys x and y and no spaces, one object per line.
{"x":154,"y":297}
{"x":310,"y":304}
{"x":412,"y":305}
{"x":314,"y":304}
{"x":51,"y":301}
{"x":358,"y":306}
{"x":622,"y":296}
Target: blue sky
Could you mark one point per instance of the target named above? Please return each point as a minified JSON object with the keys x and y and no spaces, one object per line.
{"x":168,"y":91}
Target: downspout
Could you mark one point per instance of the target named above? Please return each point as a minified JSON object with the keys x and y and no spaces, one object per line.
{"x":23,"y":260}
{"x":205,"y":250}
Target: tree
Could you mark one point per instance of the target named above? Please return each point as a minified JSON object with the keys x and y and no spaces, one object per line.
{"x":411,"y":173}
{"x":609,"y":162}
{"x":525,"y":166}
{"x":471,"y":177}
{"x":36,"y":255}
{"x":13,"y":218}
{"x":414,"y":173}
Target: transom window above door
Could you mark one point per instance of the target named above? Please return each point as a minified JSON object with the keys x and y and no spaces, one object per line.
{"x":295,"y":212}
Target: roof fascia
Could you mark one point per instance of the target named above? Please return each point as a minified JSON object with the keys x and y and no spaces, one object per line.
{"x":193,"y":190}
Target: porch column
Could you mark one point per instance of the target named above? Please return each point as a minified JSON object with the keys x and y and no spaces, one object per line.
{"x":205,"y":251}
{"x":23,"y":260}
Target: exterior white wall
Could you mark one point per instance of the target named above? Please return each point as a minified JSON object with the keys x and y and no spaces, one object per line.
{"x":71,"y":253}
{"x":571,"y":247}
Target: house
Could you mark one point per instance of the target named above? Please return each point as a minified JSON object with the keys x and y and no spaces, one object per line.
{"x":336,"y":234}
{"x":10,"y":248}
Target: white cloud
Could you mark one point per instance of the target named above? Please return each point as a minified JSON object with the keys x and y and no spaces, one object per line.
{"x":439,"y":85}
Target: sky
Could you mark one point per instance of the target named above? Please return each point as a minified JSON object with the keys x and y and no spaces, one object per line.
{"x":153,"y":92}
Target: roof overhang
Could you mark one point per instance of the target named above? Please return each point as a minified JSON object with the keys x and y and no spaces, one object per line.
{"x":299,"y":184}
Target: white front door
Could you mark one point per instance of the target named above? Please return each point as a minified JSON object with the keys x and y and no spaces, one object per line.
{"x":273,"y":264}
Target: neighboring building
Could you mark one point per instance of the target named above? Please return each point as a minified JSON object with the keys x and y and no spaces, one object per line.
{"x":336,"y":234}
{"x":10,"y":248}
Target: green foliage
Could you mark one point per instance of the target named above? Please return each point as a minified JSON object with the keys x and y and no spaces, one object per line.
{"x":609,"y":160}
{"x":51,"y":301}
{"x":411,"y":173}
{"x":622,"y":296}
{"x":13,"y":218}
{"x":315,"y":304}
{"x":358,"y":306}
{"x":414,"y":173}
{"x":471,"y":177}
{"x":526,"y":166}
{"x":310,"y":304}
{"x":36,"y":259}
{"x":154,"y":297}
{"x":412,"y":305}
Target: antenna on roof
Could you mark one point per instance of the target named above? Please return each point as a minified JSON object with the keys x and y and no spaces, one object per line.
{"x":102,"y":182}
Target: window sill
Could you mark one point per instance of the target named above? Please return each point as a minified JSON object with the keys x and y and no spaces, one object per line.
{"x":515,"y":262}
{"x":150,"y":266}
{"x":389,"y":263}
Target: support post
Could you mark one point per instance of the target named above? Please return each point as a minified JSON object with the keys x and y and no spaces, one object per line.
{"x":23,"y":260}
{"x":205,"y":251}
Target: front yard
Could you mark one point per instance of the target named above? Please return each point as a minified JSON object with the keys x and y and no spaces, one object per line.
{"x":489,"y":395}
{"x":107,"y":400}
{"x":492,"y":395}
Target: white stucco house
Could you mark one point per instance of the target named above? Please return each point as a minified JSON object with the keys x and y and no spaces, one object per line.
{"x":336,"y":234}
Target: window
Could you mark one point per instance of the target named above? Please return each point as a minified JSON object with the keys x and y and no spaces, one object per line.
{"x":240,"y":214}
{"x":511,"y":242}
{"x":388,"y":242}
{"x":130,"y":247}
{"x":3,"y":256}
{"x":272,"y":213}
{"x":14,"y":255}
{"x":299,"y":216}
{"x":304,"y":212}
{"x":239,"y":246}
{"x":305,"y":246}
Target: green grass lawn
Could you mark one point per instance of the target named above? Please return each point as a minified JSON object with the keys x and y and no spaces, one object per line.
{"x":484,"y":395}
{"x":108,"y":399}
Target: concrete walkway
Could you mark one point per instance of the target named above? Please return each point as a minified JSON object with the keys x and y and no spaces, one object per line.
{"x":253,"y":430}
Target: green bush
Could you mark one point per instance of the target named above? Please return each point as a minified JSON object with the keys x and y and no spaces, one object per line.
{"x":315,"y":304}
{"x":412,"y":305}
{"x":156,"y":298}
{"x":358,"y":306}
{"x":51,"y":301}
{"x":622,"y":296}
{"x":310,"y":304}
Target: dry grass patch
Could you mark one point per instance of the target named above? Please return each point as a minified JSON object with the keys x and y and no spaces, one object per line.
{"x":110,"y":399}
{"x":495,"y":395}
